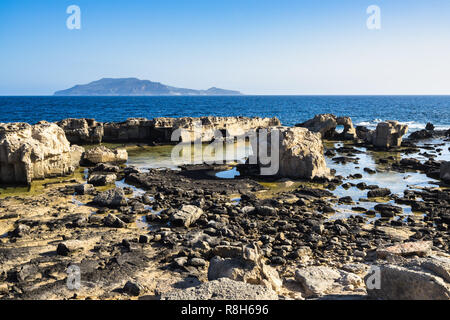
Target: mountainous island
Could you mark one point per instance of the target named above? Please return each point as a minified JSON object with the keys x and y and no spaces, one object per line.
{"x":137,"y":87}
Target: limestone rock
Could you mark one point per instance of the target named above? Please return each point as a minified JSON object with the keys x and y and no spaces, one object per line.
{"x":102,"y":154}
{"x":301,"y":154}
{"x":102,"y":179}
{"x":248,"y":267}
{"x":387,"y":134}
{"x":84,"y":188}
{"x":419,"y":248}
{"x":113,"y":222}
{"x":410,"y":281}
{"x":35,"y":152}
{"x":316,"y":280}
{"x":326,"y":124}
{"x":191,"y":131}
{"x":321,"y":280}
{"x":186,"y":215}
{"x":222,"y":289}
{"x":82,"y":131}
{"x":111,"y":198}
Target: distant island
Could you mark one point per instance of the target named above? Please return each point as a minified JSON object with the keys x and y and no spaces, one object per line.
{"x":136,"y":87}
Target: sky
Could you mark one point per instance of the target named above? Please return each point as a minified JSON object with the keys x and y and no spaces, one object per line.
{"x":257,"y":47}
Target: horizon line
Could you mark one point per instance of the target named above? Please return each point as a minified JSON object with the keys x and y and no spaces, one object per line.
{"x":241,"y":95}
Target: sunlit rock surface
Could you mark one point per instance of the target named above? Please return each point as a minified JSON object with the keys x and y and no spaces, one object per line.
{"x":35,"y":152}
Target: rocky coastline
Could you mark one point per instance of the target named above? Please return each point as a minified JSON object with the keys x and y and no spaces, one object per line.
{"x":187,"y":234}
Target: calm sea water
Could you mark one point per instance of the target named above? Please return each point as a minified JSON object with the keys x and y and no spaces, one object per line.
{"x":366,"y":110}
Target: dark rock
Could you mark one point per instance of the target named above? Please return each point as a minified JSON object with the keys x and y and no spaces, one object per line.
{"x":132,"y":288}
{"x":380,"y":192}
{"x":83,"y":189}
{"x":113,"y":222}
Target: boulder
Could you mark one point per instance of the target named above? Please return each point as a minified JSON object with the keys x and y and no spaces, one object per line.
{"x":113,"y":222}
{"x":84,"y":188}
{"x":35,"y":152}
{"x":248,"y":266}
{"x":82,"y":131}
{"x":301,"y":154}
{"x":186,"y":215}
{"x":102,"y":154}
{"x":445,"y":171}
{"x":111,"y":198}
{"x":222,"y":289}
{"x":378,"y":192}
{"x":132,"y":288}
{"x":419,"y":279}
{"x":387,"y":134}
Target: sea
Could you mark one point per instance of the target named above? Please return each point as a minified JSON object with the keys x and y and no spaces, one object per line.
{"x":416,"y":111}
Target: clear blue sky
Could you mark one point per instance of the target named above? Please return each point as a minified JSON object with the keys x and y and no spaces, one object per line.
{"x":256,"y":46}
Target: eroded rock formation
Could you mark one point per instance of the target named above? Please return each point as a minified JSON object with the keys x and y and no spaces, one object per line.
{"x":387,"y":134}
{"x":326,"y":125}
{"x":82,"y":131}
{"x":160,"y":130}
{"x":35,"y":152}
{"x":298,"y":154}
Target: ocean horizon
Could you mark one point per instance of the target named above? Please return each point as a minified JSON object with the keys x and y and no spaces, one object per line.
{"x":366,"y":110}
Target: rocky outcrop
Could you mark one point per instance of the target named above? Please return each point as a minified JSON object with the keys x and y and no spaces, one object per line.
{"x":326,"y":125}
{"x":300,"y":154}
{"x":410,"y":271}
{"x":82,"y":131}
{"x":232,"y":126}
{"x":159,"y":130}
{"x":35,"y":152}
{"x":387,"y":134}
{"x":222,"y":289}
{"x":445,"y":171}
{"x":102,"y":154}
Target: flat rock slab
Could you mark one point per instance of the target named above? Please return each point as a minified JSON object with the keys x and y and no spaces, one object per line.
{"x":419,"y":248}
{"x":222,"y":289}
{"x":111,"y":198}
{"x":321,"y":280}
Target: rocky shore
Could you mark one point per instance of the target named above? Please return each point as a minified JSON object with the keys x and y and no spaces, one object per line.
{"x":187,"y":234}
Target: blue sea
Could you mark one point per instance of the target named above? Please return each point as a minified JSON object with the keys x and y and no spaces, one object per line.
{"x":416,"y":111}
